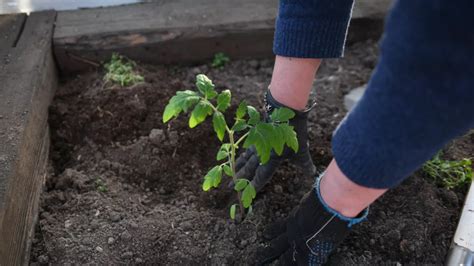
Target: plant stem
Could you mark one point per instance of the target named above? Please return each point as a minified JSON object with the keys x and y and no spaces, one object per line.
{"x":232,"y":165}
{"x":242,"y":138}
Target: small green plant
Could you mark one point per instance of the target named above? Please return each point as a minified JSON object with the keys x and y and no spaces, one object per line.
{"x":100,"y":185}
{"x":252,"y":130}
{"x":121,"y":71}
{"x":450,"y":174}
{"x":219,"y":61}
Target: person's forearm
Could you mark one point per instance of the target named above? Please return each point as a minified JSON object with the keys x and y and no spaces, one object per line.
{"x":292,"y":80}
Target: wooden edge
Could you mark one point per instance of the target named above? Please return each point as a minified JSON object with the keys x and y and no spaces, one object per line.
{"x":33,"y":87}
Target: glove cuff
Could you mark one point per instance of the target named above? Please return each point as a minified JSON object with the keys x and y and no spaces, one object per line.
{"x":350,"y":220}
{"x":270,"y":104}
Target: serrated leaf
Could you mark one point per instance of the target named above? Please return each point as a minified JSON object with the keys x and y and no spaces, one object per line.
{"x":199,"y":114}
{"x":239,"y":125}
{"x":240,"y":184}
{"x":180,"y":102}
{"x":227,"y":170}
{"x":218,"y":121}
{"x":207,"y":184}
{"x":240,"y":113}
{"x":248,"y":195}
{"x":223,"y":100}
{"x":282,"y":115}
{"x":223,"y":151}
{"x":213,"y":178}
{"x":205,"y":85}
{"x":171,"y":110}
{"x":291,"y":139}
{"x":254,"y":115}
{"x":279,"y":144}
{"x":232,"y":211}
{"x":258,"y":138}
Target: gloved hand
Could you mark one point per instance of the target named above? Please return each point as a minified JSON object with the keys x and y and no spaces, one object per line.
{"x":248,"y":164}
{"x":313,"y":231}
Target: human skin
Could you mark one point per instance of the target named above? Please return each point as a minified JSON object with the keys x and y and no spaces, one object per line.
{"x":291,"y":85}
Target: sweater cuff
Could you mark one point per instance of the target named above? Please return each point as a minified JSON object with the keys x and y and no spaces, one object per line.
{"x":310,"y":39}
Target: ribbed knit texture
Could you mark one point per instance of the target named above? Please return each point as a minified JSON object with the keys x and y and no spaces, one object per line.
{"x":312,"y":28}
{"x":420,"y":96}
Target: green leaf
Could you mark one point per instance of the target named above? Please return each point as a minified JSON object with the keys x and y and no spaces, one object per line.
{"x":223,"y":101}
{"x":241,"y":110}
{"x":232,"y":211}
{"x":239,"y":125}
{"x":282,"y":115}
{"x":223,"y":151}
{"x":182,"y":101}
{"x":248,"y":195}
{"x":290,"y":136}
{"x":227,"y":170}
{"x":219,"y":124}
{"x":254,"y":115}
{"x":207,"y":184}
{"x":205,"y":86}
{"x":278,"y":142}
{"x":171,"y":110}
{"x":199,"y":114}
{"x":213,"y":178}
{"x":258,"y":138}
{"x":240,"y":184}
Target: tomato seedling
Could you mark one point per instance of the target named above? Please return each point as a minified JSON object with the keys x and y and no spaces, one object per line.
{"x":248,"y":129}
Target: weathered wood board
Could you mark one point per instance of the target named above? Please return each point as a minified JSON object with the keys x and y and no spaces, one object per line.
{"x":10,"y":28}
{"x":181,"y":31}
{"x":28,"y":78}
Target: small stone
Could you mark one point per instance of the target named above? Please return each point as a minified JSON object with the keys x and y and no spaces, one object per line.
{"x":156,"y":136}
{"x":111,"y":240}
{"x":254,"y":63}
{"x":127,"y":255}
{"x":133,"y":225}
{"x":278,"y":189}
{"x":138,"y":260}
{"x":125,"y":235}
{"x":43,"y":259}
{"x":162,"y":191}
{"x":99,"y":249}
{"x":67,"y":224}
{"x":115,"y":217}
{"x":173,"y":138}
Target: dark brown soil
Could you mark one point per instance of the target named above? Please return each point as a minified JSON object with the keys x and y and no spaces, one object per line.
{"x":118,"y":194}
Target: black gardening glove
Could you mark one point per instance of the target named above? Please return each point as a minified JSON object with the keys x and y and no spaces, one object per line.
{"x":248,"y":164}
{"x":313,"y":231}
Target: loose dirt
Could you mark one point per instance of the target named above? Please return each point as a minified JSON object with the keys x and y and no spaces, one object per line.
{"x":126,"y":189}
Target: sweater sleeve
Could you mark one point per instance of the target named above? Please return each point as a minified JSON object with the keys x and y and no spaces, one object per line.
{"x":420,"y":96}
{"x":312,"y":28}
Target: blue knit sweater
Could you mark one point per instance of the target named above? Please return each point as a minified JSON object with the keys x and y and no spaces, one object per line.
{"x":420,"y":96}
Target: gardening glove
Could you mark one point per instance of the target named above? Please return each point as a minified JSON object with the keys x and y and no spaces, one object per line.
{"x":313,"y":231}
{"x":248,"y":164}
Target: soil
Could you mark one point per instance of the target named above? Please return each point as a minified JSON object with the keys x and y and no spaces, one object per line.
{"x":126,"y":189}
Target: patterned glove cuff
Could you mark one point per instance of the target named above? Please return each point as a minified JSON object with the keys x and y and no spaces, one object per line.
{"x":350,"y":221}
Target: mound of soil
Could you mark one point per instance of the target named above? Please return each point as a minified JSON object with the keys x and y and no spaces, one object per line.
{"x":125,"y":188}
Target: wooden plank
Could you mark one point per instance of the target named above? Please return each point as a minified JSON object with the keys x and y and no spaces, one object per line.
{"x":28,"y":85}
{"x":10,"y":28}
{"x":182,"y":31}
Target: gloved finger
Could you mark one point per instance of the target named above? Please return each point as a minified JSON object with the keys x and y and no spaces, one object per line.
{"x":274,"y":230}
{"x":248,"y":170}
{"x":273,"y":251}
{"x":304,"y":161}
{"x":264,"y":173}
{"x":288,"y":258}
{"x":244,"y":157}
